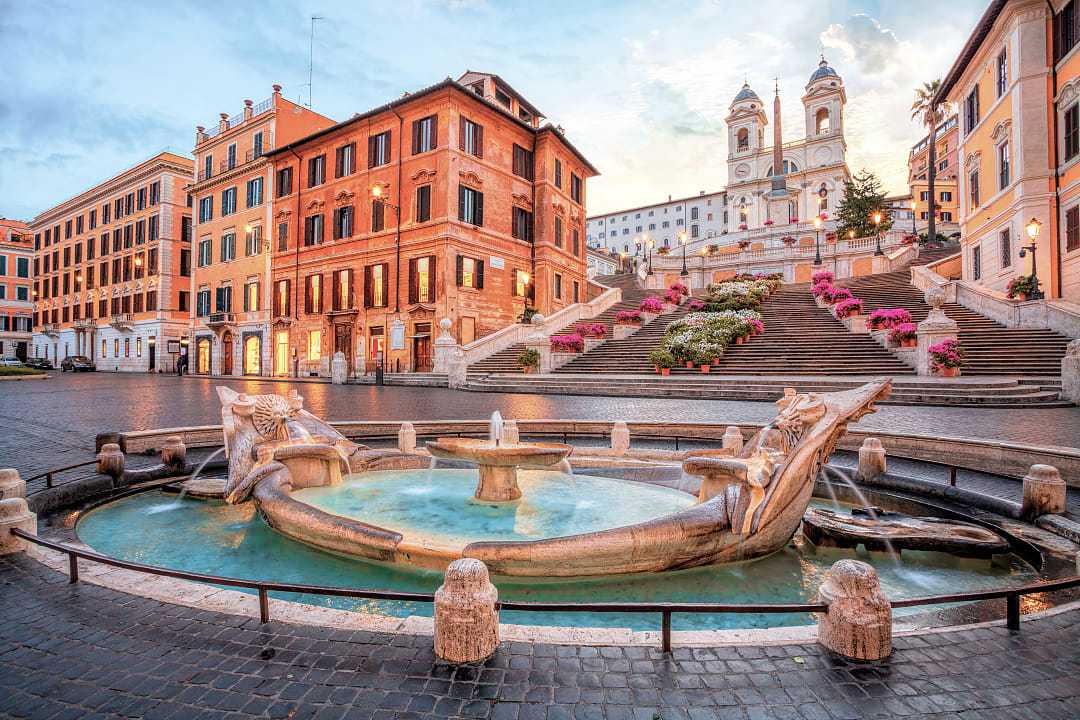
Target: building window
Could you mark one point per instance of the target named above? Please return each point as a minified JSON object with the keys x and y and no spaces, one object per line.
{"x":742,"y":140}
{"x":314,"y":345}
{"x":577,"y":291}
{"x":202,"y":302}
{"x":521,"y":283}
{"x":206,"y":208}
{"x":470,"y":205}
{"x":316,"y":173}
{"x":558,"y":173}
{"x":976,"y":262}
{"x":1072,"y":132}
{"x":343,"y":289}
{"x":313,"y":294}
{"x":423,"y":203}
{"x":576,"y":238}
{"x":343,"y":222}
{"x":256,"y":145}
{"x":1072,"y":228}
{"x":284,"y":181}
{"x":946,"y":216}
{"x":971,"y":110}
{"x":575,"y":188}
{"x":345,"y":160}
{"x":521,"y":224}
{"x":471,"y":138}
{"x":282,"y":298}
{"x":523,"y":162}
{"x":558,"y":231}
{"x":425,"y":134}
{"x":251,"y":296}
{"x":313,"y":230}
{"x":470,"y":272}
{"x":140,"y":203}
{"x":379,"y":149}
{"x":946,"y":196}
{"x":255,"y":192}
{"x":422,"y":279}
{"x":1006,"y":248}
{"x":228,"y":247}
{"x":1003,"y":165}
{"x":205,"y":251}
{"x":973,"y":184}
{"x":231,"y":156}
{"x":1065,"y":31}
{"x":924,"y":195}
{"x":283,"y":236}
{"x":378,"y":222}
{"x":1002,"y":73}
{"x":253,"y":241}
{"x":375,"y":288}
{"x":228,"y":201}
{"x":558,"y":286}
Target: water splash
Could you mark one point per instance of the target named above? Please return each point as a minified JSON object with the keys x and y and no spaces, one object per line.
{"x":166,"y":507}
{"x":893,"y":554}
{"x":495,"y":429}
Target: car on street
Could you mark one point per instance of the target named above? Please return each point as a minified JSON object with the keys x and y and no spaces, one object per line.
{"x":11,"y":362}
{"x":76,"y":363}
{"x":39,"y":363}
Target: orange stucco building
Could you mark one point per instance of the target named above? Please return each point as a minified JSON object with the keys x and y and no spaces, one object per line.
{"x":16,"y":301}
{"x":478,"y":207}
{"x":947,"y":161}
{"x":1016,"y":85}
{"x":231,"y":201}
{"x":111,"y":269}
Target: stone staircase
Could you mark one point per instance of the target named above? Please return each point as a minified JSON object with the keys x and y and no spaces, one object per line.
{"x":991,"y":348}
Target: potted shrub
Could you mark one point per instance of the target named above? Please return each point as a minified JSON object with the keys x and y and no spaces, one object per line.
{"x":789,"y":241}
{"x":679,"y":288}
{"x":695,"y":305}
{"x":529,"y":360}
{"x":652,"y":304}
{"x":905,"y":335}
{"x":628,"y":317}
{"x":567,"y":343}
{"x":832,"y":294}
{"x":662,"y":360}
{"x":822,"y":276}
{"x":848,"y":308}
{"x":591,"y":330}
{"x":743,"y":244}
{"x":756,"y":326}
{"x":946,"y":357}
{"x":886,"y":318}
{"x":1020,"y":287}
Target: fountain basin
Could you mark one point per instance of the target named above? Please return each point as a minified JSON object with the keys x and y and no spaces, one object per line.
{"x":498,"y":462}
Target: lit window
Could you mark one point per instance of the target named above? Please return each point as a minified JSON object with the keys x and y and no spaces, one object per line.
{"x":314,"y":345}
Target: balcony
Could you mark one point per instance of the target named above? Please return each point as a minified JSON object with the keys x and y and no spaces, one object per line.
{"x":215,"y":320}
{"x":51,"y":329}
{"x":122,"y":321}
{"x":85,"y":324}
{"x":341,"y":312}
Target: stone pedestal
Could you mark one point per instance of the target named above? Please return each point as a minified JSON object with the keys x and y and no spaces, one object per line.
{"x":857,"y":324}
{"x":173,"y":452}
{"x":1070,"y":373}
{"x":621,"y":332}
{"x":593,"y":343}
{"x":498,"y":483}
{"x":620,"y":437}
{"x":858,"y":625}
{"x":1044,"y":492}
{"x":457,"y":374}
{"x":339,"y":370}
{"x":466,"y":618}
{"x":510,"y":434}
{"x":110,"y":461}
{"x":324,"y":368}
{"x":14,"y":513}
{"x":11,"y":485}
{"x":406,"y":437}
{"x":648,"y":317}
{"x":732,"y":440}
{"x":445,"y":345}
{"x":871,"y":459}
{"x":539,"y":342}
{"x":935,"y":328}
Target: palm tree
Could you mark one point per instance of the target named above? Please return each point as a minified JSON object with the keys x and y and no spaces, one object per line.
{"x":931,"y":114}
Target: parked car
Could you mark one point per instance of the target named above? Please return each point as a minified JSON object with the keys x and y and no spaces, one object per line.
{"x":39,"y":363}
{"x":75,"y":363}
{"x":11,"y":362}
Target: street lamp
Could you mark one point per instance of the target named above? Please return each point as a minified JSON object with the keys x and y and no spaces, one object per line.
{"x":817,"y":239}
{"x":637,"y":245}
{"x":649,"y":244}
{"x":1033,"y":228}
{"x":913,"y":206}
{"x":377,"y":196}
{"x":877,"y":232}
{"x":682,"y":241}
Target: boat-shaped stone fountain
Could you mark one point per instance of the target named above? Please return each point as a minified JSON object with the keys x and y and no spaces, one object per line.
{"x":517,"y":513}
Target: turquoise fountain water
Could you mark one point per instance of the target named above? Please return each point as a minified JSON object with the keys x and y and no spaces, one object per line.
{"x":231,"y":540}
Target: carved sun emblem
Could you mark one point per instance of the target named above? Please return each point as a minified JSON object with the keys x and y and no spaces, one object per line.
{"x":270,"y":414}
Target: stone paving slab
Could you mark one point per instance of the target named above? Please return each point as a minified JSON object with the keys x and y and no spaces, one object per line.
{"x":85,"y":651}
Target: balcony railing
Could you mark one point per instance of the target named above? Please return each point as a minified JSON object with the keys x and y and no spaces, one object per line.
{"x":220,"y":318}
{"x":121,"y":320}
{"x":214,"y":128}
{"x":50,"y":329}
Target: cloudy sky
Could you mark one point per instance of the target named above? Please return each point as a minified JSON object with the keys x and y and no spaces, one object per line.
{"x":642,"y":88}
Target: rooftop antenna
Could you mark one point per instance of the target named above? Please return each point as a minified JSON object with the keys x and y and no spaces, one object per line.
{"x":311,"y":56}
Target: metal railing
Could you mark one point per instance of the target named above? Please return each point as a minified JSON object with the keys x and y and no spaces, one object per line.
{"x":665,"y":610}
{"x":49,"y":474}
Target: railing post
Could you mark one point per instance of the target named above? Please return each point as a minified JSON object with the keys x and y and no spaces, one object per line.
{"x":264,"y":606}
{"x":952,"y":475}
{"x":1012,"y":611}
{"x":665,"y":631}
{"x":48,"y":480}
{"x":73,"y":568}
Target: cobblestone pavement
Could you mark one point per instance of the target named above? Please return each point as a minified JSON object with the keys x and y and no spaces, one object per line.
{"x":53,"y":422}
{"x":85,"y":651}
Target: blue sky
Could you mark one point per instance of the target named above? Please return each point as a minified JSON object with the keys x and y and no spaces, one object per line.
{"x":641,"y":87}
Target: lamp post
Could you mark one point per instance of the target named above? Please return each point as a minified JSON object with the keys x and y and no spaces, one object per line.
{"x":526,"y":293}
{"x":913,"y":206}
{"x":817,"y":239}
{"x":682,"y":241}
{"x":649,"y":245}
{"x":637,"y":245}
{"x":1033,"y":227}
{"x":877,"y":232}
{"x":377,"y":196}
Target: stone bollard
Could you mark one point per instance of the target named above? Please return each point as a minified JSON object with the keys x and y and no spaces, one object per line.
{"x":1070,"y":373}
{"x":339,"y":372}
{"x":406,"y":438}
{"x":871,"y":460}
{"x":858,"y":624}
{"x":466,"y":615}
{"x":1044,"y":492}
{"x":110,"y":461}
{"x":11,"y":485}
{"x":732,"y":440}
{"x":620,"y":437}
{"x":174,"y":452}
{"x":510,"y":434}
{"x":14,"y":513}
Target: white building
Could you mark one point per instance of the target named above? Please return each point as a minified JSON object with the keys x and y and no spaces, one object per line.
{"x":814,"y":170}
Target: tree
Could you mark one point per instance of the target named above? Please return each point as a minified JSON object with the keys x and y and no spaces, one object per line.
{"x":931,"y":114}
{"x":863,"y":196}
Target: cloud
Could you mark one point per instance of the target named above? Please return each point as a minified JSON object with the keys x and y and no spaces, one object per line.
{"x":863,"y":41}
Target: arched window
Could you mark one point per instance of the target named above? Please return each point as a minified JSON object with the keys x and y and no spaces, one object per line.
{"x":789,"y":167}
{"x":822,"y":121}
{"x":742,"y":139}
{"x":823,"y":197}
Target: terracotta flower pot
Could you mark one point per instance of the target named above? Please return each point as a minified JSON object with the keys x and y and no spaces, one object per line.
{"x":910,"y":343}
{"x":1021,"y":297}
{"x":716,"y":362}
{"x":705,"y":368}
{"x":529,"y":369}
{"x":950,"y":372}
{"x":689,"y":364}
{"x":665,"y":371}
{"x":740,"y":340}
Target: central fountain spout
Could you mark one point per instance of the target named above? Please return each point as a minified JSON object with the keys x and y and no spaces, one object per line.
{"x":499,"y":462}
